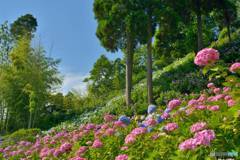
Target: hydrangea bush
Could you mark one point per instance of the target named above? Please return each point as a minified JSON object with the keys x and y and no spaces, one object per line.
{"x":187,"y":128}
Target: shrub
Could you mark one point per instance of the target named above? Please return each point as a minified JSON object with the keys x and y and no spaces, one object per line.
{"x":21,"y":135}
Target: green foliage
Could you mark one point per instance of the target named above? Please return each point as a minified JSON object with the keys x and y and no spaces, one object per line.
{"x":24,"y":26}
{"x":6,"y":43}
{"x":21,"y":135}
{"x":106,"y":76}
{"x":165,"y":97}
{"x":28,"y":79}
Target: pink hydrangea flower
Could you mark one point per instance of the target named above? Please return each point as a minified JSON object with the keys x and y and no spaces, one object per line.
{"x":198,"y":126}
{"x":226,"y":89}
{"x":192,"y":102}
{"x":109,"y":118}
{"x":104,"y":126}
{"x":124,"y":148}
{"x":165,"y":115}
{"x":235,"y":67}
{"x":174,"y":103}
{"x":90,"y":126}
{"x":171,"y":127}
{"x":214,"y":108}
{"x":130,"y":138}
{"x":82,"y":150}
{"x":78,"y":158}
{"x":200,"y":138}
{"x":139,"y":130}
{"x":122,"y":157}
{"x":206,"y":56}
{"x":97,"y":144}
{"x":231,"y":103}
{"x":216,"y":90}
{"x":150,"y":122}
{"x":210,"y":85}
{"x":201,"y":107}
{"x":188,"y":144}
{"x":109,"y":131}
{"x":204,"y":137}
{"x":118,"y":124}
{"x":226,"y":98}
{"x":202,"y":98}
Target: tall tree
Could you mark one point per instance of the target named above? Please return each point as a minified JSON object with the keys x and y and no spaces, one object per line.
{"x":199,"y":8}
{"x":6,"y":43}
{"x":152,"y":11}
{"x":25,"y":85}
{"x":118,"y":22}
{"x":24,"y":26}
{"x":226,"y":13}
{"x":101,"y":76}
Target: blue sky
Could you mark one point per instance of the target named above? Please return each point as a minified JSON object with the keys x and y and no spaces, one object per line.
{"x":66,"y":28}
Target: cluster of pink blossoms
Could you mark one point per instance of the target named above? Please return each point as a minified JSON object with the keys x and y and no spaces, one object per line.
{"x":150,"y":122}
{"x":198,"y":126}
{"x":171,"y":127}
{"x":109,"y":118}
{"x":97,"y":144}
{"x":122,"y":157}
{"x":131,"y":138}
{"x":235,"y":67}
{"x":203,"y":137}
{"x":220,"y":95}
{"x":173,"y":104}
{"x":55,"y":144}
{"x":206,"y":56}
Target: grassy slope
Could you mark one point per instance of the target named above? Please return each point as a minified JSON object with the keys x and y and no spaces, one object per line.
{"x":161,"y":79}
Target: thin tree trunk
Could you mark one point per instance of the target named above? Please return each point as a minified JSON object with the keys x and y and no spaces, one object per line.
{"x":129,"y":68}
{"x":6,"y":121}
{"x":149,"y":64}
{"x":199,"y":25}
{"x":2,"y":116}
{"x":30,"y":120}
{"x":227,"y":19}
{"x":229,"y":33}
{"x":34,"y":118}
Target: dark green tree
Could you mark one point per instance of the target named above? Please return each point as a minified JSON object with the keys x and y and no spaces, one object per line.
{"x":101,"y":76}
{"x":24,"y":26}
{"x":152,"y":13}
{"x":226,"y":14}
{"x":118,"y":25}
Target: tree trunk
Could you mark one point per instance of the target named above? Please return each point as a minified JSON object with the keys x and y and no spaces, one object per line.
{"x":30,"y":120}
{"x":129,"y":68}
{"x":149,"y":64}
{"x":227,"y":21}
{"x":34,"y":117}
{"x":6,"y":121}
{"x":199,"y":25}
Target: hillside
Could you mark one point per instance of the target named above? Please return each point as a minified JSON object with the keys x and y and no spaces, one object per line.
{"x":192,"y":126}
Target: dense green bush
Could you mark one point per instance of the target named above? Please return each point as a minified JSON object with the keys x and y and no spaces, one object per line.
{"x":21,"y":135}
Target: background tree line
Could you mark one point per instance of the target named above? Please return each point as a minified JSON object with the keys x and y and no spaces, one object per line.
{"x":177,"y":27}
{"x":28,"y":80}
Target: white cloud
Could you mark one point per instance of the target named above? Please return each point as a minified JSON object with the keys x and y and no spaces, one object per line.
{"x":74,"y":81}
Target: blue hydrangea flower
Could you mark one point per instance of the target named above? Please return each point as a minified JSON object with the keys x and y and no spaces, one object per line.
{"x":160,"y":119}
{"x":149,"y":129}
{"x":142,"y":125}
{"x":151,"y":108}
{"x":126,"y":120}
{"x":167,"y":110}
